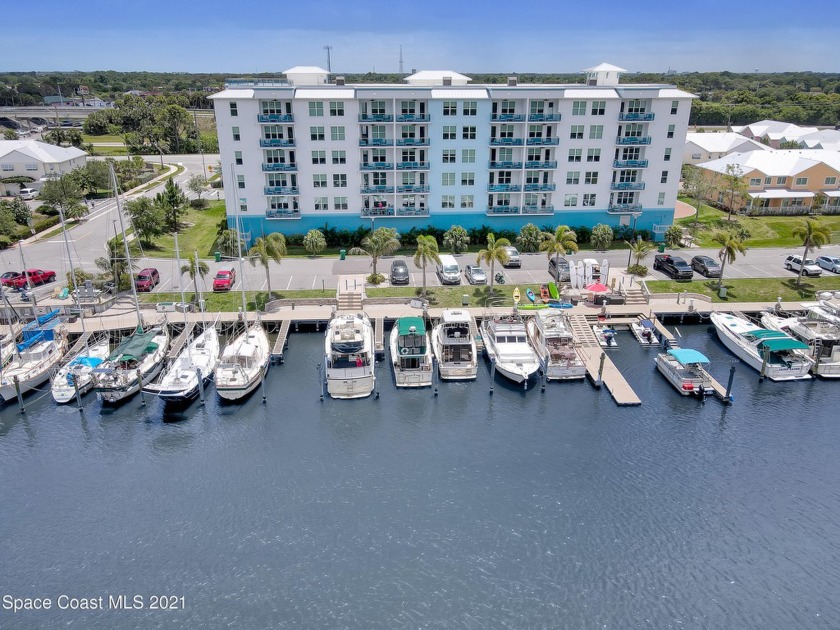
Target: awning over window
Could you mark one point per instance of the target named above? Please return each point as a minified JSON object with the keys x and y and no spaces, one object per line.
{"x":781,"y":193}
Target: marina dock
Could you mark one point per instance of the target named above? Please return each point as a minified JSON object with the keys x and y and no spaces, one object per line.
{"x":282,"y":342}
{"x":379,"y":337}
{"x":180,"y":341}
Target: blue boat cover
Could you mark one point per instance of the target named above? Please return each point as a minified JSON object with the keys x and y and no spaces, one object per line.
{"x":90,"y":362}
{"x":687,"y":355}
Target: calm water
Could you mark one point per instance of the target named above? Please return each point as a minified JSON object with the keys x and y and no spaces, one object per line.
{"x":520,"y":510}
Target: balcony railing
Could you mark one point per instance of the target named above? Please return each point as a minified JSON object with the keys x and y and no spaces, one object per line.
{"x":412,"y":211}
{"x":647,"y":116}
{"x":538,"y":164}
{"x":376,"y":142}
{"x":282,"y":214}
{"x":624,"y":208}
{"x":505,"y":165}
{"x":277,"y":166}
{"x":543,"y":141}
{"x":377,"y":166}
{"x":275,"y":118}
{"x":627,"y":186}
{"x":413,"y":118}
{"x":412,"y":142}
{"x":633,"y":140}
{"x":504,"y":188}
{"x":507,"y":142}
{"x":503,"y":210}
{"x":537,"y":209}
{"x":544,"y":117}
{"x":508,"y":117}
{"x":413,"y":188}
{"x":412,"y":166}
{"x":540,"y":187}
{"x":375,"y":118}
{"x":384,"y":211}
{"x":630,"y":163}
{"x":372,"y":190}
{"x":276,"y":142}
{"x":280,"y":190}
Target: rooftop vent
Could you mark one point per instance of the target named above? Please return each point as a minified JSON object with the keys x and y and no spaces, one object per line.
{"x":447,"y":81}
{"x":512,"y":81}
{"x":339,"y":81}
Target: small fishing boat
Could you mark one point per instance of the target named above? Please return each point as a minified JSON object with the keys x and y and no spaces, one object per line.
{"x":552,"y":338}
{"x":686,"y":370}
{"x":644,"y":332}
{"x":606,"y":336}
{"x":454,"y":347}
{"x":349,"y":356}
{"x":506,"y":343}
{"x":411,"y":353}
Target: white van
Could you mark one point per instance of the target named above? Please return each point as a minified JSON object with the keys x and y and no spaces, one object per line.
{"x":27,"y":194}
{"x":448,"y":271}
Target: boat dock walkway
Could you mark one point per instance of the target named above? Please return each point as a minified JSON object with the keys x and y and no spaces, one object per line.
{"x":77,"y":347}
{"x":379,"y":337}
{"x":282,"y":341}
{"x":180,"y":341}
{"x":666,"y":337}
{"x":476,"y":335}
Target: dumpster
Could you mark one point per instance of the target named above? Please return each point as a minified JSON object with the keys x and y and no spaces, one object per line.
{"x":342,"y":254}
{"x":662,"y":248}
{"x":218,"y":256}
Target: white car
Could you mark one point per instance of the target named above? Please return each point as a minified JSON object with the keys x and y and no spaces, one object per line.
{"x":810,"y":268}
{"x":27,"y":194}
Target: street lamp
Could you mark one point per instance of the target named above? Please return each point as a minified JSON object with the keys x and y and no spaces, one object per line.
{"x":636,"y":215}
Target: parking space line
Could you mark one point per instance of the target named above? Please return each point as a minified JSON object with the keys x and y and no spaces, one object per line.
{"x":289,"y":283}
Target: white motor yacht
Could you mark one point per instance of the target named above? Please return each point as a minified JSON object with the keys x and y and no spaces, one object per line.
{"x":506,"y":343}
{"x":554,"y":341}
{"x":349,"y":356}
{"x":411,"y":353}
{"x":454,"y":346}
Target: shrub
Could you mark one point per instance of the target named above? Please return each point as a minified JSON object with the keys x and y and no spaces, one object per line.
{"x":375,"y":278}
{"x":673,"y":236}
{"x":637,"y":270}
{"x":602,"y":237}
{"x":5,"y":241}
{"x":45,"y":224}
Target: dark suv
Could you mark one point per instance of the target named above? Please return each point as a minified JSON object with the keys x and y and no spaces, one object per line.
{"x":399,"y":272}
{"x":674,"y":266}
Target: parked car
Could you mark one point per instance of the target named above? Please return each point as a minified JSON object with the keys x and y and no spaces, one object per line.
{"x":224,"y":280}
{"x":399,"y":272}
{"x":36,"y":276}
{"x":475,"y":274}
{"x":109,"y":287}
{"x":831,"y":263}
{"x":27,"y":193}
{"x":673,"y":266}
{"x":147,"y":279}
{"x":513,"y":257}
{"x":810,"y":268}
{"x":705,"y":265}
{"x":558,"y":268}
{"x":7,"y":278}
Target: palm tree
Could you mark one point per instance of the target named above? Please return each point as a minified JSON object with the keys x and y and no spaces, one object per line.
{"x":380,"y":243}
{"x":115,"y":263}
{"x":227,"y":242}
{"x":456,"y":239}
{"x":814,"y":235}
{"x":195,"y":268}
{"x":640,"y":248}
{"x":731,"y":244}
{"x":555,"y":245}
{"x":266,"y":249}
{"x":427,"y":251}
{"x":495,"y":251}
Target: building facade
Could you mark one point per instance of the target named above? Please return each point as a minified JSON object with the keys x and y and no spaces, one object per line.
{"x":438,"y":150}
{"x":32,"y":162}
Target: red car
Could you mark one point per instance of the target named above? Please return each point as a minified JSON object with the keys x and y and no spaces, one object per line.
{"x":147,"y":279}
{"x":7,"y":278}
{"x":36,"y":276}
{"x":224,"y":280}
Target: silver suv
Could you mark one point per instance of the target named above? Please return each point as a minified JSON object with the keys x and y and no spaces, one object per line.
{"x":513,"y":257}
{"x":558,"y":268}
{"x":810,"y":268}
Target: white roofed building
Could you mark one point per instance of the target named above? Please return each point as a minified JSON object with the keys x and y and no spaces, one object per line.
{"x":702,"y":147}
{"x":35,"y":160}
{"x":774,"y":132}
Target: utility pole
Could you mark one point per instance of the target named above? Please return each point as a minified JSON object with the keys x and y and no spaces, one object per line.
{"x":401,"y":60}
{"x":329,"y":66}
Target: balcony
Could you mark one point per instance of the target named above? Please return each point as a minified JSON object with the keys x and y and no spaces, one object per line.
{"x":627,"y":186}
{"x":538,"y":164}
{"x":371,"y":118}
{"x":412,"y":166}
{"x":504,"y":188}
{"x":544,"y":117}
{"x":543,"y":141}
{"x":507,"y":142}
{"x":503,"y":210}
{"x":372,"y":190}
{"x":282,"y":214}
{"x":277,"y":166}
{"x":643,"y":116}
{"x":630,"y":163}
{"x":413,"y":188}
{"x":275,"y":118}
{"x":377,"y":166}
{"x":421,"y":118}
{"x":537,"y":209}
{"x":633,"y":140}
{"x":276,"y":142}
{"x":413,"y":142}
{"x":376,"y":142}
{"x":505,"y":165}
{"x":412,"y":211}
{"x":280,"y":190}
{"x":540,"y":187}
{"x":624,"y":208}
{"x":384,"y":211}
{"x":508,"y":117}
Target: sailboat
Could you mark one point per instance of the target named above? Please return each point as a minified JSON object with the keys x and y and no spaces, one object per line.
{"x":42,"y":346}
{"x":138,"y":358}
{"x":195,"y":366}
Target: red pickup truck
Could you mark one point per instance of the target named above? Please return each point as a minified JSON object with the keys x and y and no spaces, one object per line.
{"x":36,"y":276}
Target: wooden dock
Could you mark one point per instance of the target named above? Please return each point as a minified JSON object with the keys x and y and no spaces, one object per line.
{"x":180,"y":341}
{"x":77,"y":347}
{"x":379,"y":337}
{"x":282,"y":342}
{"x":666,"y":337}
{"x":476,"y":335}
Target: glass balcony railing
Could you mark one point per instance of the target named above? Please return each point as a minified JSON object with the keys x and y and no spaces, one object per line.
{"x":376,"y":142}
{"x":504,"y":188}
{"x":412,"y":166}
{"x":275,"y":118}
{"x":276,"y":166}
{"x":423,"y":118}
{"x":538,"y":164}
{"x":537,"y":209}
{"x":630,"y":163}
{"x":382,"y":211}
{"x":502,"y":210}
{"x":412,"y":211}
{"x":633,"y":140}
{"x":375,"y":118}
{"x":544,"y":117}
{"x":377,"y":166}
{"x":543,"y":141}
{"x":280,"y":190}
{"x":505,"y":165}
{"x":412,"y":142}
{"x":645,"y":116}
{"x":413,"y":188}
{"x":276,"y":142}
{"x":508,"y":117}
{"x":372,"y":190}
{"x":627,"y":186}
{"x":540,"y":187}
{"x":507,"y":142}
{"x":282,"y":214}
{"x":624,"y":208}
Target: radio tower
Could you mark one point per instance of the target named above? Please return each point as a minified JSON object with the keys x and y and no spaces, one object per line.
{"x":329,"y":66}
{"x":401,"y":63}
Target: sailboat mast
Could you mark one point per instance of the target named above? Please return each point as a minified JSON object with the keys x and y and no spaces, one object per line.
{"x":239,"y":250}
{"x":72,"y":271}
{"x":125,"y":245}
{"x":200,"y":294}
{"x":28,"y":279}
{"x":180,"y":278}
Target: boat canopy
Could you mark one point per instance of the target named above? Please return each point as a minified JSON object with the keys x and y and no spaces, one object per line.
{"x":90,"y":362}
{"x":687,"y":356}
{"x":135,"y":346}
{"x":761,"y":333}
{"x":782,"y":344}
{"x":406,"y":323}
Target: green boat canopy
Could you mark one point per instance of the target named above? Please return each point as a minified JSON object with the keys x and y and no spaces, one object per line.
{"x":405,"y":324}
{"x":767,"y":334}
{"x":782,"y":344}
{"x":135,"y":346}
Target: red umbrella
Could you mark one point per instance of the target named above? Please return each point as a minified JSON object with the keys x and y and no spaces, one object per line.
{"x":597,"y":287}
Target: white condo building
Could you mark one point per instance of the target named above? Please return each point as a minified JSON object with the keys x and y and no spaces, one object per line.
{"x":302,"y":153}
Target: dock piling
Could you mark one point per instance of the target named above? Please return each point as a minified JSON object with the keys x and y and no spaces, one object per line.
{"x":728,"y":397}
{"x":19,"y":395}
{"x":601,"y":369}
{"x":492,"y":374}
{"x":200,"y":384}
{"x":140,"y":383}
{"x":321,"y":381}
{"x":76,"y":389}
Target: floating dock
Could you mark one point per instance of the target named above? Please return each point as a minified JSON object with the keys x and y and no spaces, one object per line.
{"x":379,"y":337}
{"x":180,"y":341}
{"x":282,"y":342}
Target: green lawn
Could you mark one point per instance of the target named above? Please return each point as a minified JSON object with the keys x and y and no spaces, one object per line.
{"x":199,"y":236}
{"x":109,"y":151}
{"x":99,"y":139}
{"x":751,"y":289}
{"x":232,"y":300}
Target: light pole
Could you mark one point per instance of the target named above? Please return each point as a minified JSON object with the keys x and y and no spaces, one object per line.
{"x":636,"y":215}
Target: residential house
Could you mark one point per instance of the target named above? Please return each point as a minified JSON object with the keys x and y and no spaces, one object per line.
{"x":36,"y":162}
{"x":702,"y":147}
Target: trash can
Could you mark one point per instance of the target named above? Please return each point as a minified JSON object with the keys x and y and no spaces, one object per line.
{"x":218,"y":256}
{"x":722,"y":292}
{"x":342,"y":254}
{"x":662,"y":248}
{"x":465,"y":299}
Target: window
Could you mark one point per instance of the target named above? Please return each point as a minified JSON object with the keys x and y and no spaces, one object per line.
{"x":447,"y":201}
{"x":578,"y":109}
{"x":336,"y":108}
{"x":467,"y":179}
{"x":408,"y":131}
{"x":572,"y":177}
{"x":447,"y":179}
{"x":506,"y":131}
{"x":337,"y":133}
{"x":591,"y":177}
{"x":508,"y":107}
{"x":316,"y":133}
{"x":535,"y":155}
{"x":377,"y":132}
{"x":235,"y":131}
{"x":534,"y":131}
{"x":589,"y":200}
{"x":240,"y":181}
{"x":8,"y":167}
{"x":271,"y":107}
{"x":273,"y":132}
{"x":755,"y":181}
{"x":505,"y":155}
{"x":598,"y":108}
{"x":670,"y":131}
{"x":576,"y":132}
{"x":575,"y":155}
{"x":695,"y":156}
{"x":504,"y":177}
{"x":570,"y":201}
{"x":664,"y":178}
{"x":593,"y":155}
{"x":380,"y":179}
{"x":537,"y":107}
{"x":667,"y":155}
{"x":243,"y":204}
{"x":233,"y":110}
{"x":316,"y":108}
{"x":660,"y":201}
{"x":408,"y":108}
{"x":470,"y":108}
{"x":322,"y":203}
{"x":237,"y":157}
{"x":319,"y":181}
{"x":340,"y":203}
{"x":596,"y":132}
{"x":830,"y":181}
{"x":449,"y":156}
{"x":409,"y":178}
{"x":376,"y":155}
{"x":340,"y":157}
{"x":450,"y":132}
{"x":468,"y":156}
{"x":628,"y":176}
{"x":468,"y":133}
{"x":377,"y":108}
{"x":780,"y":181}
{"x":467,"y":201}
{"x":34,"y":167}
{"x":801,"y":181}
{"x":450,"y":108}
{"x":319,"y":157}
{"x":339,"y":180}
{"x":626,"y":198}
{"x":674,"y":106}
{"x":768,"y":181}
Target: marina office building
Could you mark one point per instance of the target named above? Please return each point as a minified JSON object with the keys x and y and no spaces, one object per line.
{"x":302,"y":153}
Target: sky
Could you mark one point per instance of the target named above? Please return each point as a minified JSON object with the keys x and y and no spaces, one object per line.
{"x":239,"y":37}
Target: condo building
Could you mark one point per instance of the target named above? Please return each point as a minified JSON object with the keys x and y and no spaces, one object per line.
{"x":304,"y":153}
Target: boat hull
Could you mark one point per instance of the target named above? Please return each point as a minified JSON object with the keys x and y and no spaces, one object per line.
{"x":34,"y":372}
{"x":350,"y":383}
{"x":465,"y":367}
{"x":684,"y":381}
{"x":233,"y":393}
